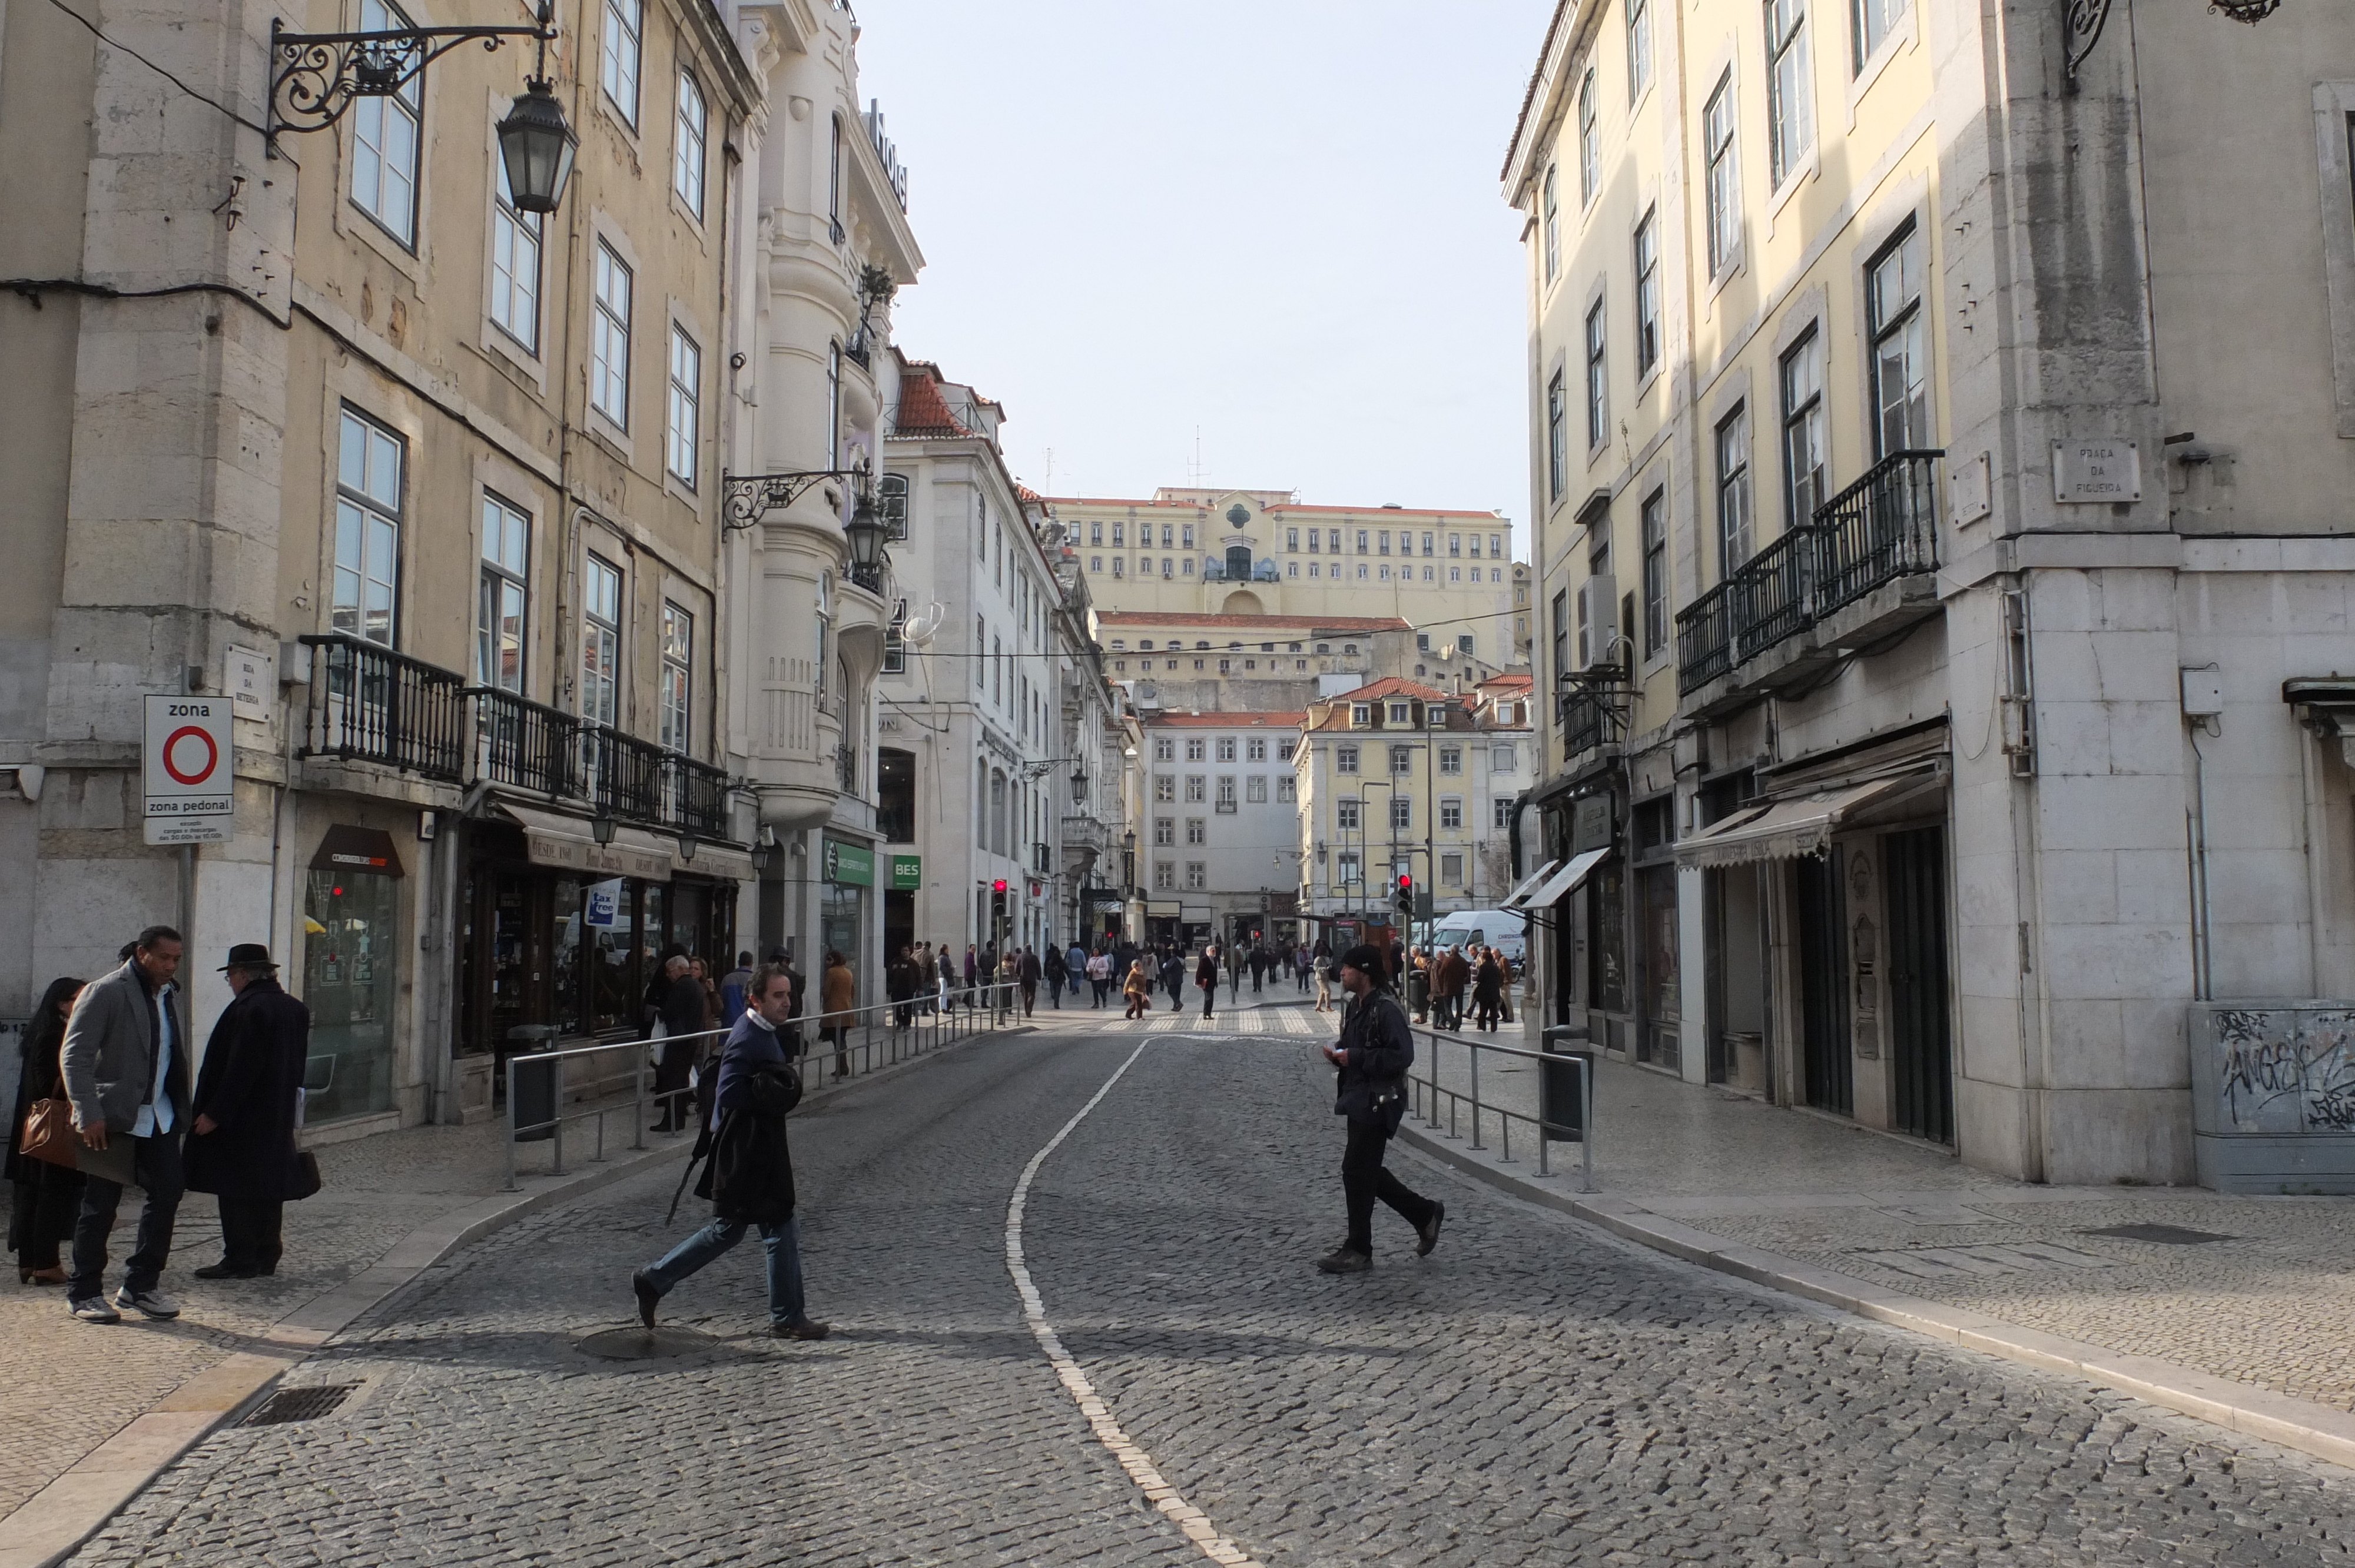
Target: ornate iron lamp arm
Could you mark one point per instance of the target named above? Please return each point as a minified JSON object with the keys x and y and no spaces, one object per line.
{"x":2082,"y":20}
{"x":745,"y":496}
{"x":313,"y":77}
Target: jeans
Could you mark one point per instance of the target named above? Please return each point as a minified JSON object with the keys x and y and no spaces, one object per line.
{"x":1364,"y":1178}
{"x":155,"y":1164}
{"x":1055,"y":993}
{"x":783,"y":1242}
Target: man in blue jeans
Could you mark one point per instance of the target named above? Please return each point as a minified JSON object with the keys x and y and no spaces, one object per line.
{"x":749,"y":1177}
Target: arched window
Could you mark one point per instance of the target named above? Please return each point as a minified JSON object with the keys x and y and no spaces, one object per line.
{"x":1238,"y":563}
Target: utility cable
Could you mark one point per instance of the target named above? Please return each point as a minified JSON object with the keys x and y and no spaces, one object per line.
{"x":201,"y":97}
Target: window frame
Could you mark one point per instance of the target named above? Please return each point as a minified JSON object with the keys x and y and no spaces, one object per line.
{"x":609,"y":328}
{"x":504,"y":595}
{"x":370,"y":109}
{"x":1597,"y":346}
{"x":1645,"y":242}
{"x":1721,"y":176}
{"x":1639,"y":50}
{"x":1736,"y":503}
{"x":513,"y":230}
{"x":1790,"y":90}
{"x":379,"y":517}
{"x":1907,"y":327}
{"x":693,"y":130}
{"x":1549,"y":222}
{"x":1653,"y":525}
{"x":675,"y":691}
{"x":683,"y":408}
{"x":1802,"y":418}
{"x":1590,"y":139}
{"x":609,"y":61}
{"x":601,"y":632}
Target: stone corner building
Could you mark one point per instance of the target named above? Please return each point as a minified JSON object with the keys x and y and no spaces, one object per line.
{"x":1943,"y":428}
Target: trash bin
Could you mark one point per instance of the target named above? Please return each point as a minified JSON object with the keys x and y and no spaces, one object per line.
{"x":1418,"y":990}
{"x":1749,"y":1054}
{"x":1561,"y":1103}
{"x":533,"y":1102}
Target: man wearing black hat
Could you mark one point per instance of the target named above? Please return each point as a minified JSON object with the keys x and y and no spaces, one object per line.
{"x":241,"y":1145}
{"x":1375,"y":1051}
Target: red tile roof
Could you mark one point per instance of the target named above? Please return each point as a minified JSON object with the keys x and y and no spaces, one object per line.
{"x":1371,"y":513}
{"x":1222,"y":721}
{"x":1391,"y":686}
{"x":922,"y":410}
{"x":1248,"y":622}
{"x":1508,"y":681}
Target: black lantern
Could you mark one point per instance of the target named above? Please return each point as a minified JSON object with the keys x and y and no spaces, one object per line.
{"x":536,"y":146}
{"x":601,"y":826}
{"x":1079,"y":787}
{"x":865,"y":532}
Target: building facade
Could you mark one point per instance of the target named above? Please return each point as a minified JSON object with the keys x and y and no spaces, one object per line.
{"x":1913,"y":528}
{"x":1223,"y":846}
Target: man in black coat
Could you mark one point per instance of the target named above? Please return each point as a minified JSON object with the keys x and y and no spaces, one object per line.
{"x":749,"y":1178}
{"x":1376,"y":1048}
{"x":241,"y":1144}
{"x":682,"y":1019}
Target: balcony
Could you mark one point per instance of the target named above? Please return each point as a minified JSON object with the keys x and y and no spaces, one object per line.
{"x":1862,"y":569}
{"x":372,"y":704}
{"x":1595,"y":711}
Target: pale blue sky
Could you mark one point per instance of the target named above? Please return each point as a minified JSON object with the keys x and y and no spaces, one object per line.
{"x":1276,"y":220}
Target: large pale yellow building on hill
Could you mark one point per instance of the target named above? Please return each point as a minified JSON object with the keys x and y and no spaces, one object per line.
{"x":1450,"y":575}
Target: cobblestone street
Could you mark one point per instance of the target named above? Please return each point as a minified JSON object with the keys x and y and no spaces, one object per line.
{"x":1534,"y":1391}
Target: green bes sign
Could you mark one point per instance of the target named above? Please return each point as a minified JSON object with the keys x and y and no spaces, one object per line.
{"x":907,"y":871}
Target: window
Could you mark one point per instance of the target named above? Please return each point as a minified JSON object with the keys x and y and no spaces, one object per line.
{"x":1226,"y":792}
{"x":507,"y":571}
{"x":1598,"y":380}
{"x":980,"y":664}
{"x":1450,"y":760}
{"x":1165,"y":831}
{"x":1654,"y":529}
{"x":1590,"y":141}
{"x":1648,"y":294}
{"x":1255,"y":787}
{"x":1362,"y":537}
{"x":895,"y":656}
{"x":1551,"y":230}
{"x":1345,"y":759}
{"x":1892,"y":304}
{"x":677,"y":677}
{"x":1346,"y":809}
{"x":609,"y":348}
{"x":1875,"y":20}
{"x":1165,"y":749}
{"x":1790,"y":130}
{"x":1639,"y":47}
{"x":686,"y":375}
{"x":1497,"y":546}
{"x":1451,"y":870}
{"x":1226,"y":748}
{"x":626,"y":25}
{"x":1383,"y":543}
{"x":692,"y":132}
{"x":1398,"y":713}
{"x":1451,"y":813}
{"x":1476,"y":546}
{"x":1117,"y":567}
{"x":1119,"y":535}
{"x":1732,"y":492}
{"x":1463,"y":643}
{"x":369,"y":476}
{"x":600,"y":641}
{"x":1557,"y":444}
{"x":1402,"y":811}
{"x":1502,"y":760}
{"x":1333,"y":542}
{"x":1197,"y":876}
{"x":1291,"y":539}
{"x":1345,"y":869}
{"x":1195,"y":749}
{"x":834,"y":415}
{"x":997,"y":670}
{"x":1723,"y":192}
{"x":1197,"y":830}
{"x":891,"y":496}
{"x":1284,"y":749}
{"x":514,"y":265}
{"x":386,"y":135}
{"x":1165,"y":786}
{"x":1802,"y":429}
{"x":1164,"y":876}
{"x":1197,"y":788}
{"x":1095,"y":532}
{"x":1256,"y":750}
{"x":1287,"y":788}
{"x":1428,"y":545}
{"x":1560,"y":634}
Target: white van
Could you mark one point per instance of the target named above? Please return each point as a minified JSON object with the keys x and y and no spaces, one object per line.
{"x":1499,"y":929}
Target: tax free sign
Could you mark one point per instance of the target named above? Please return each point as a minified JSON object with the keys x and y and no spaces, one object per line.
{"x":187,"y":771}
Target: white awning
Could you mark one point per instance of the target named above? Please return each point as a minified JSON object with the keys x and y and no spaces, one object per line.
{"x":1530,"y":884}
{"x":1572,"y":872}
{"x":1782,"y":830}
{"x":569,"y":843}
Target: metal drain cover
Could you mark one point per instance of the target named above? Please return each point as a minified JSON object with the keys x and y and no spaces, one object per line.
{"x":2168,"y":1235}
{"x":638,"y":1344}
{"x":299,"y":1405}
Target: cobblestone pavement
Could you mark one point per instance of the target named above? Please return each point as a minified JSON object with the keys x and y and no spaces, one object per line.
{"x":1533,"y":1392}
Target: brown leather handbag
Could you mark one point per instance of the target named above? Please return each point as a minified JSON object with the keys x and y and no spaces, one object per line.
{"x":49,"y":1134}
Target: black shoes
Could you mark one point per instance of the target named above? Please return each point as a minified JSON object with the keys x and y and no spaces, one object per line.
{"x":225,"y":1269}
{"x":648,"y":1297}
{"x":1426,"y":1235}
{"x":1343,"y":1260}
{"x":801,"y":1328}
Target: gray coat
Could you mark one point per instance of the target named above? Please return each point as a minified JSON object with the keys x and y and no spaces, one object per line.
{"x":110,"y":1050}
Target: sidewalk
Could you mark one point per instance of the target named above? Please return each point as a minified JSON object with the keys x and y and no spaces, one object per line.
{"x":2254,"y":1308}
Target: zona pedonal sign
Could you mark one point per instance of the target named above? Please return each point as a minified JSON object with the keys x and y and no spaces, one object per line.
{"x":187,"y":772}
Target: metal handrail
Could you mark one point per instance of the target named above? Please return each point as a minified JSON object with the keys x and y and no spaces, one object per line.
{"x":1430,"y":1091}
{"x":375,"y":705}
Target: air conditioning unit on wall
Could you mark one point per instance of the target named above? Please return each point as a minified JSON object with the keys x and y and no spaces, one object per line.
{"x":1598,"y":618}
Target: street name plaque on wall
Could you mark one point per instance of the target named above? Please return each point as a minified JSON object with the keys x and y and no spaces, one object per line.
{"x":2091,"y":473}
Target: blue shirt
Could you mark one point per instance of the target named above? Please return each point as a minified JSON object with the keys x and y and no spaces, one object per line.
{"x":156,"y":1115}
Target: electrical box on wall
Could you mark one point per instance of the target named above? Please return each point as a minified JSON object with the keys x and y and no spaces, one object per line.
{"x":2203,"y":694}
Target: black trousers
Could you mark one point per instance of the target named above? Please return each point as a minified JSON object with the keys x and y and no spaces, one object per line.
{"x":1364,"y":1178}
{"x":251,"y":1231}
{"x":156,"y":1166}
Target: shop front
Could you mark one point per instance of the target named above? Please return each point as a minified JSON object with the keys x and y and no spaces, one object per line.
{"x":352,"y":955}
{"x":848,"y":882}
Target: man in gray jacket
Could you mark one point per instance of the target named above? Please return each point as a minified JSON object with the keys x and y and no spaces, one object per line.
{"x":126,"y":1071}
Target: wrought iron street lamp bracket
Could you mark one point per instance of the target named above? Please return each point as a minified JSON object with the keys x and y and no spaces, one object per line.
{"x":313,"y":77}
{"x":2081,"y":22}
{"x":746,"y":497}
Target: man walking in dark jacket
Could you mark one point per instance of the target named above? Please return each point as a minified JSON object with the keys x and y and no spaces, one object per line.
{"x":240,"y":1145}
{"x":749,"y":1178}
{"x":125,"y":1064}
{"x":1206,"y":975}
{"x":1376,"y":1049}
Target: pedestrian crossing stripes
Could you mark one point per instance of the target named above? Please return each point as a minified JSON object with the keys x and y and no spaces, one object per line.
{"x":1287,"y":1021}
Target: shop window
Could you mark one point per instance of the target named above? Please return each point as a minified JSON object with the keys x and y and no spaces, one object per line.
{"x":351,"y":962}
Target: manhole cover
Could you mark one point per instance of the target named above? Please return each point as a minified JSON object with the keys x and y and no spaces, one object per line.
{"x":2170,"y":1236}
{"x":300,"y":1404}
{"x":638,"y":1344}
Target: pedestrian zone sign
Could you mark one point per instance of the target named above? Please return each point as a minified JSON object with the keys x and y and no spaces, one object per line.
{"x":188,"y":772}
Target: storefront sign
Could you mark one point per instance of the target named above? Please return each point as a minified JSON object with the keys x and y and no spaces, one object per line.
{"x":1590,"y":823}
{"x":350,"y":850}
{"x":907,"y":871}
{"x":188,"y":772}
{"x":850,"y":864}
{"x":603,"y":904}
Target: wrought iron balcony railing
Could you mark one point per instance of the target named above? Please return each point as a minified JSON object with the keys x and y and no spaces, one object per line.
{"x":1770,"y":594}
{"x":1596,"y":710}
{"x":621,"y":775}
{"x":525,"y":743}
{"x":1705,"y":637}
{"x":369,"y":703}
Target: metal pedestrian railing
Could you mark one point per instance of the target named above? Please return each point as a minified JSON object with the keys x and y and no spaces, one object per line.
{"x":866,"y":1040}
{"x":1555,"y":1122}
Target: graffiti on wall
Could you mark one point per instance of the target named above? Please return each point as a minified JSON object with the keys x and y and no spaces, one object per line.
{"x":2287,"y":1071}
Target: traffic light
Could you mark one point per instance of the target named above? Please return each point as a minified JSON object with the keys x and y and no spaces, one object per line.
{"x":1406,"y":896}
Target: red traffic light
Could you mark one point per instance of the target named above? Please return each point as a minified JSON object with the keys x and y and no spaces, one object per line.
{"x":1406,"y":885}
{"x":998,"y":886}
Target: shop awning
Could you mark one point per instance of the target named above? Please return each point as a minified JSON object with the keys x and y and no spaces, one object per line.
{"x":569,"y":843}
{"x":1528,"y":885}
{"x":1566,"y":876}
{"x":1782,"y":830}
{"x":725,"y":862}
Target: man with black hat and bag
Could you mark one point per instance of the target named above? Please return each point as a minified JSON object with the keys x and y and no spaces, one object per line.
{"x":240,"y":1145}
{"x":749,"y":1177}
{"x":1375,"y":1051}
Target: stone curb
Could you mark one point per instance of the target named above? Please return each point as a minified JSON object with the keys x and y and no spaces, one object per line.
{"x":56,"y":1519}
{"x":2306,"y":1426}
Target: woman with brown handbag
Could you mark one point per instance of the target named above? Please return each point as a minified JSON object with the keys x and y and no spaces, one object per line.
{"x":47,"y":1196}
